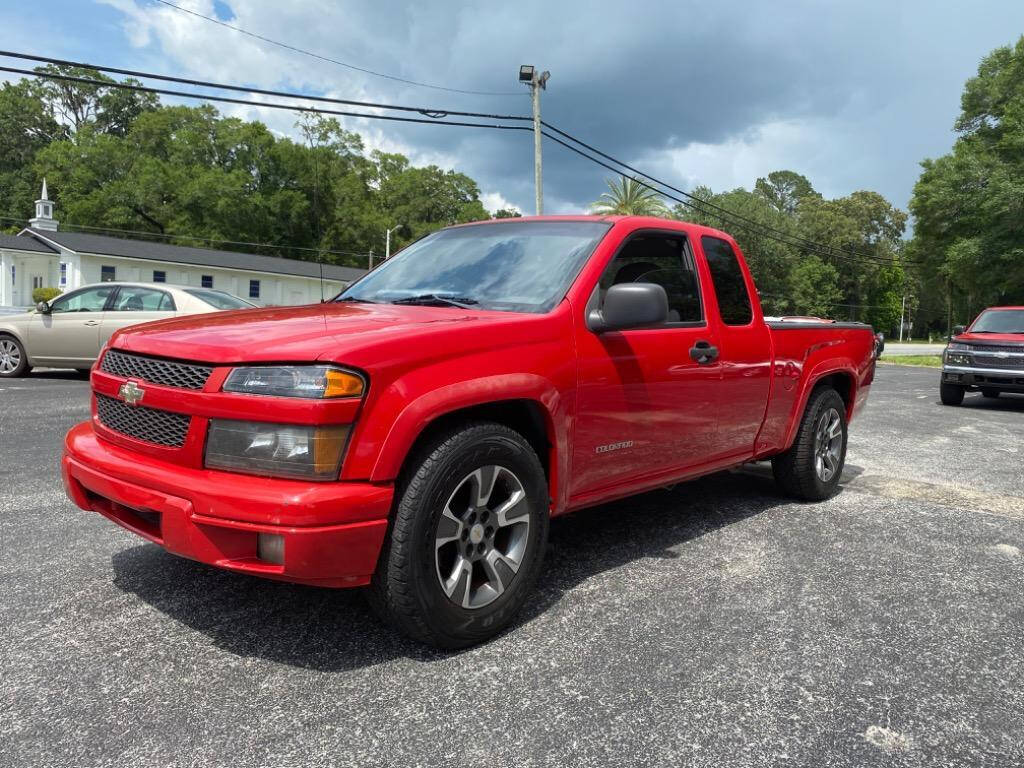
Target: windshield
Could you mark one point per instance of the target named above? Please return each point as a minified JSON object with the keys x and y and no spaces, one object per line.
{"x":219,"y":299}
{"x":513,"y":266}
{"x":999,"y":321}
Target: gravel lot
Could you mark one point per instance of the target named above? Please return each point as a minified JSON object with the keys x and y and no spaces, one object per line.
{"x":715,"y":625}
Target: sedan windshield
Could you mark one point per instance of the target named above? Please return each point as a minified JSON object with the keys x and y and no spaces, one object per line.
{"x":999,"y":321}
{"x":512,"y":266}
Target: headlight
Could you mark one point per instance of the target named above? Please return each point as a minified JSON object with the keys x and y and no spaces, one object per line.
{"x":312,"y":381}
{"x":955,"y":347}
{"x":278,"y":450}
{"x":957,"y":358}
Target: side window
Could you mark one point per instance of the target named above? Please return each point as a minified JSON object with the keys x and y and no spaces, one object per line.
{"x":134,"y":298}
{"x":727,"y":276}
{"x":108,"y":274}
{"x":660,"y":259}
{"x":88,"y":300}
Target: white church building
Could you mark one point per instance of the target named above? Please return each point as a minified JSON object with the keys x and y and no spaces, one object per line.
{"x":42,"y":255}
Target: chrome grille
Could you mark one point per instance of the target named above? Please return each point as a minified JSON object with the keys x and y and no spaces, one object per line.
{"x":990,"y":348}
{"x":166,"y":373}
{"x":147,"y":424}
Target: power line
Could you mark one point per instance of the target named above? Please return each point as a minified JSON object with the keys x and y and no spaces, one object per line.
{"x":253,"y":103}
{"x":691,"y":201}
{"x":304,"y":52}
{"x":428,"y":111}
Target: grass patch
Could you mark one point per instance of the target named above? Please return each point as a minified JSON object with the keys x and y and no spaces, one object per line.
{"x":921,"y":361}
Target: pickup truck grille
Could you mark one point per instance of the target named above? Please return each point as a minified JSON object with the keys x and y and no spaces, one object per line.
{"x":166,"y":373}
{"x":990,"y":348}
{"x":147,"y":424}
{"x":991,"y":361}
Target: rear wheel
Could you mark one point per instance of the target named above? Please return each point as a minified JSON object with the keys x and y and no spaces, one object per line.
{"x":993,"y":393}
{"x":811,"y":468}
{"x":951,"y":394}
{"x":13,"y":360}
{"x":467,"y":540}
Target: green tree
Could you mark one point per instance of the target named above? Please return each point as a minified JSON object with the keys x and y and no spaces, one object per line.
{"x":507,"y":213}
{"x":968,"y":205}
{"x":626,"y":197}
{"x":784,"y":190}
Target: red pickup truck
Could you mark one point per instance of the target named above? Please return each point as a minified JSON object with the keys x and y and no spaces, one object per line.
{"x":988,"y":356}
{"x":416,"y":433}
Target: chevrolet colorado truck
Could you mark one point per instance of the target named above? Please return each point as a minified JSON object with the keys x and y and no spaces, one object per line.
{"x":416,"y":433}
{"x":987,"y":357}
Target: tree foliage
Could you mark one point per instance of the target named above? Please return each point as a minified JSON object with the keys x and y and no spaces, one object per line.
{"x":120,"y":160}
{"x":626,"y":197}
{"x":968,"y":205}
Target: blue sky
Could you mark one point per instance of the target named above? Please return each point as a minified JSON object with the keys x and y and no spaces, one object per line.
{"x":852,"y":94}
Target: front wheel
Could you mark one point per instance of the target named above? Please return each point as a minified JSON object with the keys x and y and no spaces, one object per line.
{"x":951,"y":394}
{"x":811,"y":468}
{"x":468,"y":537}
{"x":13,"y":360}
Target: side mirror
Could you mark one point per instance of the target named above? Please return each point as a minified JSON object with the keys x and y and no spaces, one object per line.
{"x":879,"y":344}
{"x":958,"y":329}
{"x":629,"y":305}
{"x":43,"y":308}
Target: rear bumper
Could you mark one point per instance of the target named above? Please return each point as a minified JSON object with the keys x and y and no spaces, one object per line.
{"x":332,"y":532}
{"x":1005,"y":380}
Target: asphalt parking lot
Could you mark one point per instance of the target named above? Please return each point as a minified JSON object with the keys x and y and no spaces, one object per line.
{"x":715,"y":625}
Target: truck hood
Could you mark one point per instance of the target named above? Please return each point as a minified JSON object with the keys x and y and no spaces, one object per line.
{"x":990,"y":338}
{"x":291,"y":334}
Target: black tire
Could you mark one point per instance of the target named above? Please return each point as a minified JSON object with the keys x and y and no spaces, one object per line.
{"x":406,"y":590}
{"x":796,"y":470}
{"x":11,"y":349}
{"x":951,"y":394}
{"x":992,"y":393}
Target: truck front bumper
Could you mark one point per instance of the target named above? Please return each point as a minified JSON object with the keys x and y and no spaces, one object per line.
{"x":331,"y":533}
{"x":1005,"y":380}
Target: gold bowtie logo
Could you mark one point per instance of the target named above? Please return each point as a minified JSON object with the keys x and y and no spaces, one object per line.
{"x":131,"y":393}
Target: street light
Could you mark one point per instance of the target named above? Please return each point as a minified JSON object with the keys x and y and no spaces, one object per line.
{"x":528,"y":76}
{"x":387,"y":241}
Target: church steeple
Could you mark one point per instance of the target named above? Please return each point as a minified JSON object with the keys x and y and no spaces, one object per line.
{"x":44,"y":212}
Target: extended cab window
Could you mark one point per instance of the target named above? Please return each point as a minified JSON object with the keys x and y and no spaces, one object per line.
{"x":663,"y":260}
{"x":730,"y":288}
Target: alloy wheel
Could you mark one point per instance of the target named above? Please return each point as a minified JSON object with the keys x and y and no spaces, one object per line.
{"x":10,"y":356}
{"x":828,"y":444}
{"x":481,"y":536}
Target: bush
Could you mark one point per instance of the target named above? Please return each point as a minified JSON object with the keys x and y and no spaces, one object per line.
{"x":45,"y":294}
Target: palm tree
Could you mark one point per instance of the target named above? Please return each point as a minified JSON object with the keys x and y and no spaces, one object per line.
{"x":627,"y":197}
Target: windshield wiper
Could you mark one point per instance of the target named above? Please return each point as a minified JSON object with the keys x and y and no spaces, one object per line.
{"x":357,"y":298}
{"x":437,"y":299}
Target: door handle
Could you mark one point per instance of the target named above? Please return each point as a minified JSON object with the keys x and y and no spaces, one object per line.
{"x":91,"y":322}
{"x":703,"y":352}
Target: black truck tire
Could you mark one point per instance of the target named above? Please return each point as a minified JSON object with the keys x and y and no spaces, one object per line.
{"x":951,"y":394}
{"x":456,"y":569}
{"x":805,"y":471}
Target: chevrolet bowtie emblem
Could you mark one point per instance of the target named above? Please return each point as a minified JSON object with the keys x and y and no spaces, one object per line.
{"x":131,"y":393}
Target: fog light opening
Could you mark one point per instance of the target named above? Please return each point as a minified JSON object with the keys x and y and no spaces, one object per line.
{"x":270,"y":548}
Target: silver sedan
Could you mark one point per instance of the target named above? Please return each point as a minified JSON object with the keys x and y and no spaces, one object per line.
{"x":69,"y":331}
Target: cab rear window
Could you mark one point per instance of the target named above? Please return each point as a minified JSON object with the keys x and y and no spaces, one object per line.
{"x":727,"y":278}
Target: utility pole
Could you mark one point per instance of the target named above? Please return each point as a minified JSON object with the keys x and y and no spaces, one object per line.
{"x":903,"y":309}
{"x":387,"y":241}
{"x":529,"y":76}
{"x":371,"y":258}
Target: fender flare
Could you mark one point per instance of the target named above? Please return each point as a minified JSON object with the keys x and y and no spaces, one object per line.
{"x":823,"y":370}
{"x":416,"y":416}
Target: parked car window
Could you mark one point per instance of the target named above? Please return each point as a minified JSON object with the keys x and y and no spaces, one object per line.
{"x":135,"y":298}
{"x":663,"y":260}
{"x":512,"y":266}
{"x":86,"y":300}
{"x":219,"y":299}
{"x":726,"y":275}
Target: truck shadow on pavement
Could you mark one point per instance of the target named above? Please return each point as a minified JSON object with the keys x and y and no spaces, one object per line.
{"x":334,"y":630}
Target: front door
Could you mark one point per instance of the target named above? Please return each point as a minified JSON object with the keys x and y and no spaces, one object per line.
{"x":644,"y":404}
{"x":69,"y":335}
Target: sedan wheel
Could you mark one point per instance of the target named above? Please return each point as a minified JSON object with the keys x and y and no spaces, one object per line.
{"x":13,"y":361}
